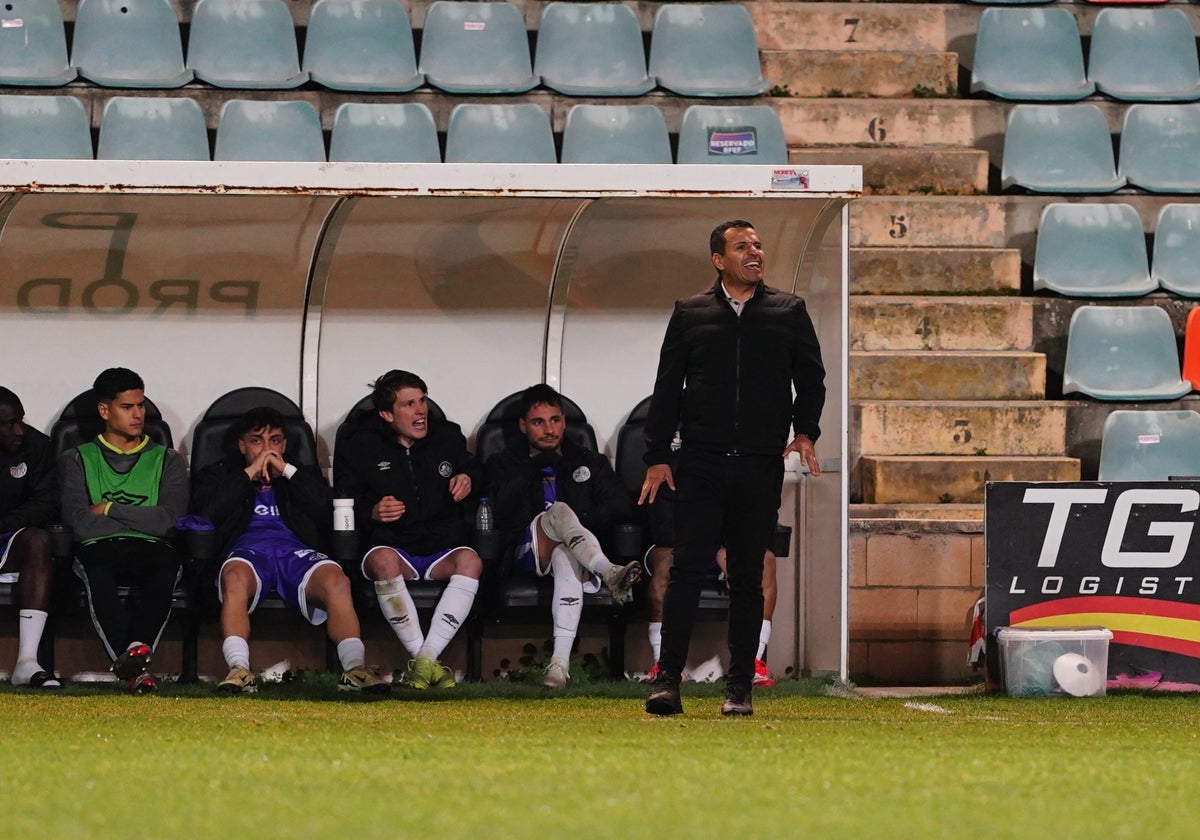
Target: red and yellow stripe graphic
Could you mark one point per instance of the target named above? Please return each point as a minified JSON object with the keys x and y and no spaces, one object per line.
{"x":1141,"y":622}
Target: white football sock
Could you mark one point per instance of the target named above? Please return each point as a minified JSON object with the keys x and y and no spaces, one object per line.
{"x":400,"y":611}
{"x":236,"y":651}
{"x":451,"y":612}
{"x":567,"y":606}
{"x":29,"y":633}
{"x":764,"y":638}
{"x":654,"y":632}
{"x":351,"y":653}
{"x":562,"y":525}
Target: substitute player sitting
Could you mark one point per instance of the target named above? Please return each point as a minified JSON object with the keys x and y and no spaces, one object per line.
{"x":270,"y":514}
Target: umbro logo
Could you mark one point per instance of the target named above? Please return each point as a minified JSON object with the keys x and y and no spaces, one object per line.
{"x":568,"y":601}
{"x":451,"y":620}
{"x":399,"y":619}
{"x":123,"y":498}
{"x":384,"y":465}
{"x":575,"y":540}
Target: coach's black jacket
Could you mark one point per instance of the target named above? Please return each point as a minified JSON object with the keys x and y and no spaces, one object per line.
{"x":371,"y":464}
{"x":584,"y":479}
{"x":224,"y":494}
{"x":725,"y":382}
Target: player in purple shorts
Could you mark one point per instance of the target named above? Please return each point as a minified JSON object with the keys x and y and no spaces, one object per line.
{"x":270,"y":514}
{"x":28,"y":504}
{"x":408,"y":474}
{"x":551,"y":496}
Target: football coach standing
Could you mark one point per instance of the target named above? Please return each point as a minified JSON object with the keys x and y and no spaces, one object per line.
{"x":739,"y":365}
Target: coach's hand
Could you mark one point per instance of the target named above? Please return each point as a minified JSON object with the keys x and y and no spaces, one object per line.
{"x":656,"y":476}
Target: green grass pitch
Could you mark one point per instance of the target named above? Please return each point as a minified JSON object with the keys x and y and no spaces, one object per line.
{"x":500,"y":761}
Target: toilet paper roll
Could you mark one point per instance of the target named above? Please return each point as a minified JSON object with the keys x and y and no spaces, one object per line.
{"x":1077,"y":675}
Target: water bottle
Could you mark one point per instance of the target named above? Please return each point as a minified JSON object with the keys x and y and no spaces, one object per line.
{"x":483,"y":516}
{"x":343,"y":514}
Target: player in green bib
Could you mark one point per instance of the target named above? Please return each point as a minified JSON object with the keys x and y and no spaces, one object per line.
{"x":121,"y":495}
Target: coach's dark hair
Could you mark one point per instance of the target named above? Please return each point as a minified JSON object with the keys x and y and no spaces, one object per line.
{"x":115,"y":380}
{"x":383,"y":395}
{"x":262,"y":417}
{"x":540,"y":394}
{"x":716,"y":239}
{"x":8,"y":398}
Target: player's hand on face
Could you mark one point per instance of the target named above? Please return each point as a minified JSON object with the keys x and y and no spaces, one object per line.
{"x":460,"y":486}
{"x":388,"y":509}
{"x":257,"y":468}
{"x":656,"y":476}
{"x":273,"y":465}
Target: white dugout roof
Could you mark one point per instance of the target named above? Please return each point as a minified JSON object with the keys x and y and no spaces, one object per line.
{"x":313,"y":279}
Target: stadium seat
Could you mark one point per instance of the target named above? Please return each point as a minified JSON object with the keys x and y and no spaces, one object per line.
{"x":615,"y":134}
{"x":389,"y":132}
{"x":476,"y":47}
{"x":1029,"y":54}
{"x":269,"y":130}
{"x":1144,"y":55}
{"x":1059,"y":149}
{"x":152,"y":128}
{"x":1092,"y":250}
{"x":591,"y":49}
{"x":362,"y":46}
{"x":80,"y":421}
{"x":1150,"y":445}
{"x":48,"y":127}
{"x":1160,"y":146}
{"x":244,"y":44}
{"x":213,"y":437}
{"x":731,"y":134}
{"x":499,"y":428}
{"x":1191,"y":349}
{"x":706,"y":50}
{"x":517,"y":133}
{"x":34,"y":53}
{"x":1123,"y":353}
{"x":1176,"y":256}
{"x":129,"y":45}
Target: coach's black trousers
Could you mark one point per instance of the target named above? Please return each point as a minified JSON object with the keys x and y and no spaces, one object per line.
{"x":150,"y":568}
{"x":729,"y":500}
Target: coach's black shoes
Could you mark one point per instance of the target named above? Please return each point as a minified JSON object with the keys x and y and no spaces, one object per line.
{"x":737,"y":701}
{"x":664,"y":700}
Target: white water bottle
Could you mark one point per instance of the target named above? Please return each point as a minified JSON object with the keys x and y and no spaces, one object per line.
{"x":343,"y":514}
{"x":483,"y":516}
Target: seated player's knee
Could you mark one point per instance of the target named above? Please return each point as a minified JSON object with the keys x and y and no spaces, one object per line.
{"x":467,"y":563}
{"x":333,"y":582}
{"x":237,"y":579}
{"x":31,"y":544}
{"x":382,"y":564}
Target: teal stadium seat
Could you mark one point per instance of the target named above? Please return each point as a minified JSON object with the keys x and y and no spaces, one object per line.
{"x":1123,"y":353}
{"x":244,"y":44}
{"x":366,"y":45}
{"x":152,"y":128}
{"x":124,"y":44}
{"x":399,"y":132}
{"x":615,"y":134}
{"x":1176,"y":256}
{"x":731,"y":134}
{"x":591,"y":49}
{"x":1150,"y":445}
{"x":1059,"y":149}
{"x":1092,"y":250}
{"x":705,"y":50}
{"x":1160,"y":148}
{"x":1029,"y":54}
{"x":33,"y":45}
{"x":516,"y":133}
{"x":44,"y":127}
{"x":474,"y":47}
{"x":1144,"y":55}
{"x":269,"y":130}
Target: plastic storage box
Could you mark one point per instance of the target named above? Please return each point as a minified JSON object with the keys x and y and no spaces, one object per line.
{"x":1054,"y":661}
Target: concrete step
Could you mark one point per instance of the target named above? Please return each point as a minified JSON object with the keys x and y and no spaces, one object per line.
{"x":944,"y":427}
{"x":964,"y":123}
{"x":939,"y":271}
{"x":929,"y":221}
{"x":906,"y":171}
{"x":849,"y":26}
{"x":901,"y":322}
{"x":949,"y":478}
{"x":947,"y":375}
{"x":899,"y":72}
{"x":917,"y":511}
